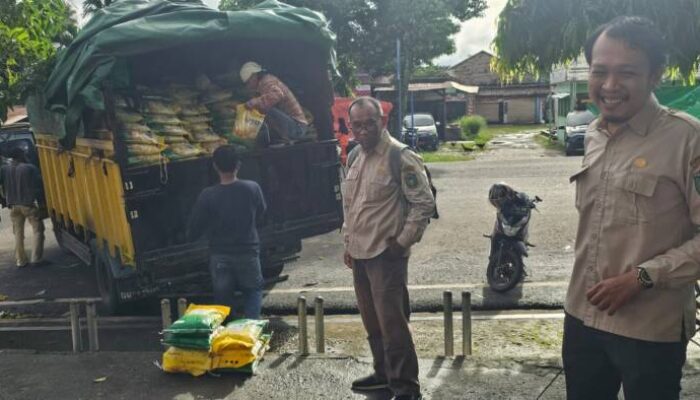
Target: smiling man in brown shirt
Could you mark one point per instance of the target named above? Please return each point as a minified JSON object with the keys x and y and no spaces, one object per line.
{"x":387,"y":203}
{"x":630,"y":304}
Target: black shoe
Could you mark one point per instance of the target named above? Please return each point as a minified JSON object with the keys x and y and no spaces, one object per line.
{"x":371,"y":382}
{"x":408,"y":397}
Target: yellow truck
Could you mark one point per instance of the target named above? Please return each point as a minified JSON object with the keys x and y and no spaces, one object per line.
{"x":125,"y":213}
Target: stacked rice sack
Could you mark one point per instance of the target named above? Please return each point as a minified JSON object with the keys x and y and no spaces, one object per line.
{"x":239,"y":346}
{"x":200,"y":344}
{"x":142,"y":146}
{"x":197,"y":121}
{"x":190,"y":339}
{"x":161,"y":114}
{"x":223,"y":108}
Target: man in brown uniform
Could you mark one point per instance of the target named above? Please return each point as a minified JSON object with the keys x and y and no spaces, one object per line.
{"x":630,"y":308}
{"x":387,"y":203}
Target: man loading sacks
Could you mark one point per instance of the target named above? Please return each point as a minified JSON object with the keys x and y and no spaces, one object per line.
{"x":284,"y":117}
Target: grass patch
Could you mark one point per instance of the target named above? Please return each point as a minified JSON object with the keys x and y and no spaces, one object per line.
{"x":464,"y":150}
{"x":548,"y":143}
{"x":437,"y":156}
{"x":495,"y":130}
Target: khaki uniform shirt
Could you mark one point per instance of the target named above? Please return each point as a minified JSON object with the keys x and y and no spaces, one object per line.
{"x":377,"y":208}
{"x":637,"y":195}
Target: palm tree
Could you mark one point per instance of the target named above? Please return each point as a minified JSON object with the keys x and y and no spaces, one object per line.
{"x":92,"y":6}
{"x":534,"y":35}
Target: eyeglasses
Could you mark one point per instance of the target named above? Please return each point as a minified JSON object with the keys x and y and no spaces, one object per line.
{"x":364,"y":126}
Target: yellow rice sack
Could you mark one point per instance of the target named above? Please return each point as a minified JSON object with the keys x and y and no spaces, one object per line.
{"x":240,"y":334}
{"x":248,"y":122}
{"x":193,"y":362}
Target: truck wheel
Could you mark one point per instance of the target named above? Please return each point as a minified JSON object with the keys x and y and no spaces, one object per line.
{"x":272,"y":271}
{"x":106,"y":284}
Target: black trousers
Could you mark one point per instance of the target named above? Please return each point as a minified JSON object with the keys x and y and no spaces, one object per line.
{"x":596,"y":363}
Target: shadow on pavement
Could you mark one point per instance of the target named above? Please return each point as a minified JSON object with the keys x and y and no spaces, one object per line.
{"x":496,"y":300}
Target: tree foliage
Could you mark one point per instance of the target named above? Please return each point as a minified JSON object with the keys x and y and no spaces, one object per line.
{"x":92,"y":6}
{"x":31,"y":32}
{"x":432,"y":71}
{"x":535,"y":35}
{"x":367,"y":30}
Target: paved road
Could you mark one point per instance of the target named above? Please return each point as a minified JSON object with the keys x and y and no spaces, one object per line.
{"x":125,"y":375}
{"x":452,"y":255}
{"x":453,"y":251}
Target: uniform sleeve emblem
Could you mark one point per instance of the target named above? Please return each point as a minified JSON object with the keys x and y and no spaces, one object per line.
{"x":411,"y":180}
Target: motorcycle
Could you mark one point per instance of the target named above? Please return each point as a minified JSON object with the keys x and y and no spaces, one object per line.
{"x":509,"y":242}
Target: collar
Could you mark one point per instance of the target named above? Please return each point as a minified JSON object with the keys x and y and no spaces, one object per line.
{"x":383,"y":144}
{"x":641,"y":122}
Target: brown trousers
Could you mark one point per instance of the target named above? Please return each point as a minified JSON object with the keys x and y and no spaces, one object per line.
{"x":20,"y":214}
{"x":382,"y":298}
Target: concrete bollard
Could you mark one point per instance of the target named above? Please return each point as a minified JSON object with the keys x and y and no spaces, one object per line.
{"x":165,"y":313}
{"x":303,"y":335}
{"x":181,"y":307}
{"x":449,"y":327}
{"x":466,"y":323}
{"x":91,"y":312}
{"x":320,"y":334}
{"x":75,"y":326}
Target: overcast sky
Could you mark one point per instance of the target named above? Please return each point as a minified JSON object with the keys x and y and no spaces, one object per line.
{"x":475,"y":35}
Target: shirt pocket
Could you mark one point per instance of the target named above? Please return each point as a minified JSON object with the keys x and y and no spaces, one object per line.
{"x":578,"y":177}
{"x":632,"y":198}
{"x":380,"y":188}
{"x":349,"y":185}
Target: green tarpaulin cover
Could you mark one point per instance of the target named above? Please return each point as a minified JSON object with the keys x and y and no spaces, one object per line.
{"x":128,"y":28}
{"x":683,"y":98}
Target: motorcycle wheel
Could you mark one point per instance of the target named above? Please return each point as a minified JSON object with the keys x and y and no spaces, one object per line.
{"x":505,"y":275}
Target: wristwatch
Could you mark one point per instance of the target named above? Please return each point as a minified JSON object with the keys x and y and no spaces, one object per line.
{"x":644,"y":279}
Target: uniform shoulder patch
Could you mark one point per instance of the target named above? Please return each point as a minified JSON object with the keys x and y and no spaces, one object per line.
{"x":688,"y":119}
{"x":411,"y":179}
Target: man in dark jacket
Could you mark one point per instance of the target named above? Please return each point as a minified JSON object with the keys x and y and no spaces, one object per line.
{"x":24,"y":195}
{"x":227,"y":213}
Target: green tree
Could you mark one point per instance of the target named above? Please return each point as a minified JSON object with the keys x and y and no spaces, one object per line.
{"x":31,"y":32}
{"x":92,"y":6}
{"x":431,"y":71}
{"x":367,"y":31}
{"x":535,"y":35}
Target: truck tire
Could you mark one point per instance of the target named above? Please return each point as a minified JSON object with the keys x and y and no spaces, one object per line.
{"x":106,"y":284}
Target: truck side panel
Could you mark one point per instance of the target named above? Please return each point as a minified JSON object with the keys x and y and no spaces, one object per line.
{"x":84,"y":193}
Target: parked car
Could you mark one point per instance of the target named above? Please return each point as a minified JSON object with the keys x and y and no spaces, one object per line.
{"x":420,"y":132}
{"x":576,"y":126}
